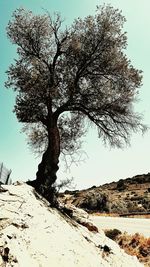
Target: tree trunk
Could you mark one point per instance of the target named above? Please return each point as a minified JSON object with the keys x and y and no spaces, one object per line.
{"x":47,"y":169}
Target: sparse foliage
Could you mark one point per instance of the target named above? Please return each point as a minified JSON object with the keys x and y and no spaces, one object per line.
{"x":65,"y":78}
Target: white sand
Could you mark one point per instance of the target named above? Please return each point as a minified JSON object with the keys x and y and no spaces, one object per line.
{"x":39,"y":236}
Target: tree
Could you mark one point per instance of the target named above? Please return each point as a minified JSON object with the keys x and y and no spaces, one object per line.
{"x":67,"y":77}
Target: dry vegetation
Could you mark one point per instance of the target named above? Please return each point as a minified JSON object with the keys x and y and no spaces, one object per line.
{"x":128,"y":196}
{"x":135,"y":245}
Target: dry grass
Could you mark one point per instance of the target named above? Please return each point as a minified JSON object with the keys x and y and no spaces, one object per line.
{"x":104,"y":214}
{"x":142,"y":216}
{"x":135,"y":245}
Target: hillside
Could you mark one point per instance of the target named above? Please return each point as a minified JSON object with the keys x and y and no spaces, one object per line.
{"x":35,"y":235}
{"x":131,"y":195}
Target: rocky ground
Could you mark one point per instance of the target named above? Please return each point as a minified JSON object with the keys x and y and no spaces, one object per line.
{"x":33,"y":234}
{"x":131,"y":195}
{"x":128,"y":197}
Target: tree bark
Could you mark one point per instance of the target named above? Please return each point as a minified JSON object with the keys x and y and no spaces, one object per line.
{"x":47,"y":169}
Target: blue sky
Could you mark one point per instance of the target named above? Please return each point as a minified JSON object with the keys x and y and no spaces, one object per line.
{"x":101,"y":164}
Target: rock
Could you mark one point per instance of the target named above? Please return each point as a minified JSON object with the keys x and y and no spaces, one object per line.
{"x":80,"y":216}
{"x":35,"y":235}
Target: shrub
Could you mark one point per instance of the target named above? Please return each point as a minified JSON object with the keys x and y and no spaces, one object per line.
{"x":121,"y":185}
{"x":112,"y":234}
{"x":96,"y":201}
{"x":118,"y":207}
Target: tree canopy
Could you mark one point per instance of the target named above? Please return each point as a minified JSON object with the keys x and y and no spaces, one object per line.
{"x":65,"y":77}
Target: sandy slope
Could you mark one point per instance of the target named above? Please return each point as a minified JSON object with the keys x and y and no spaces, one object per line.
{"x":39,"y":236}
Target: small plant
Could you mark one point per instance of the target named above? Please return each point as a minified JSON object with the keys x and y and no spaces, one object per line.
{"x":112,"y":234}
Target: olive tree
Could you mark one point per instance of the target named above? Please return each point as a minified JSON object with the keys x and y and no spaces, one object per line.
{"x":65,"y":77}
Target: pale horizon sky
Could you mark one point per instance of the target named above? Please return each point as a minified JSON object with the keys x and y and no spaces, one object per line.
{"x":102,"y":164}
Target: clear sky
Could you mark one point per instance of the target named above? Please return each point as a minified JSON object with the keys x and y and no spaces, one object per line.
{"x":101,"y":164}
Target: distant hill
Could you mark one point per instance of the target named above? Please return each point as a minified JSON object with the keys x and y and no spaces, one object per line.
{"x":131,"y":195}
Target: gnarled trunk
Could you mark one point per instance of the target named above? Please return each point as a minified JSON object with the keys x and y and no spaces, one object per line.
{"x":47,"y":169}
